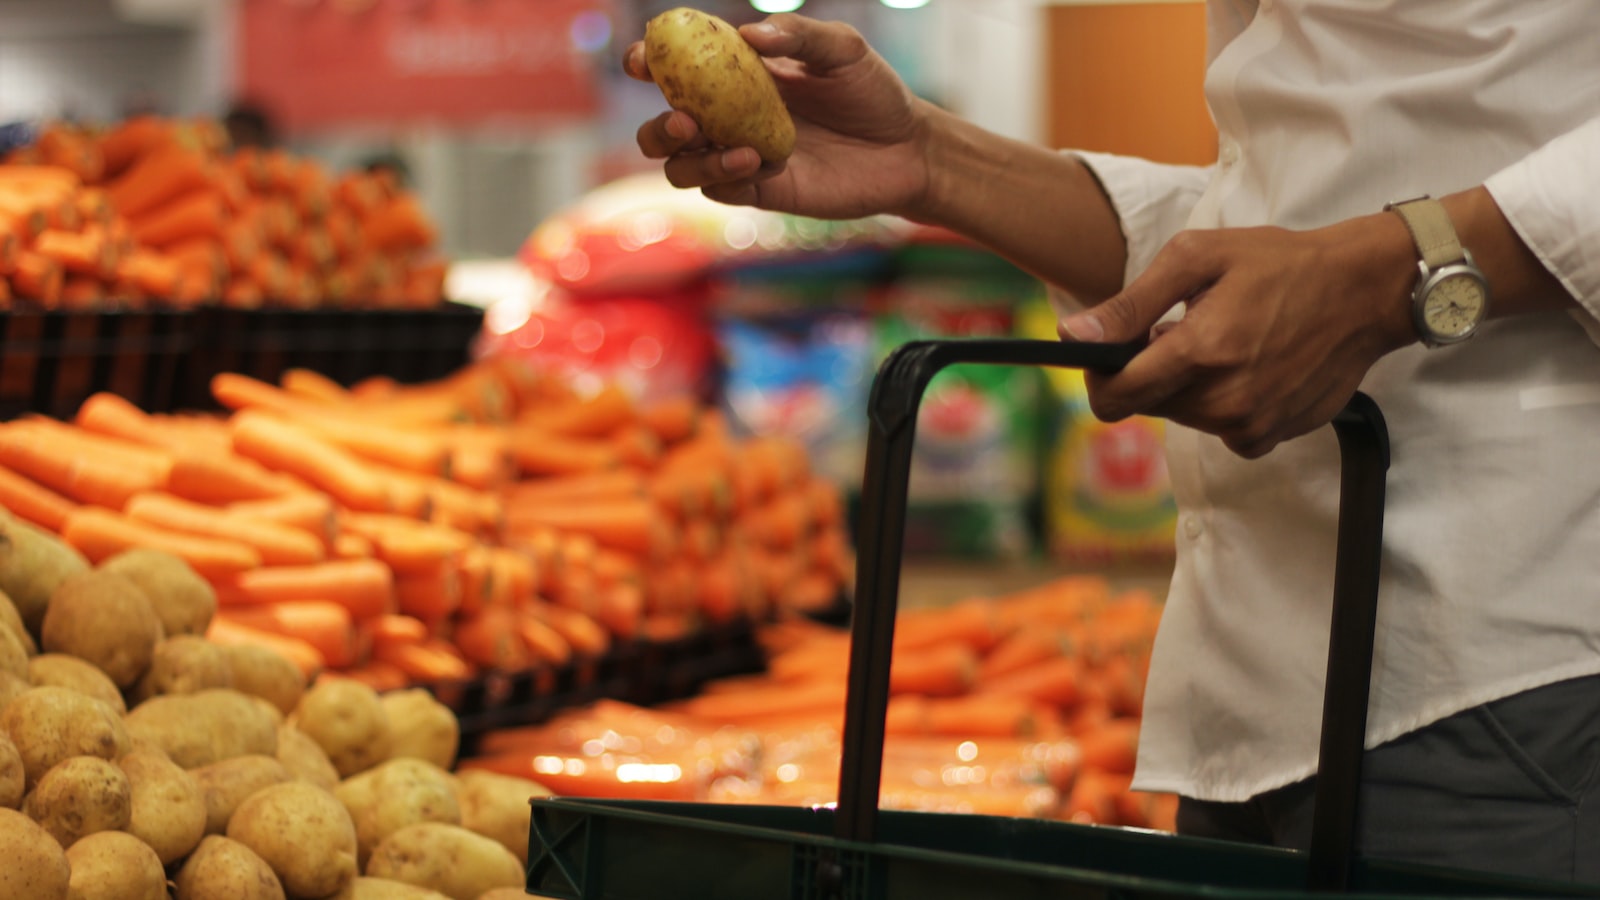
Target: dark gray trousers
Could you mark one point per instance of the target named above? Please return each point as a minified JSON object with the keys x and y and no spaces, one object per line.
{"x":1512,"y":786}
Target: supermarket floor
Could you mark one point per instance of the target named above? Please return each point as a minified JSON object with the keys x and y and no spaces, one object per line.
{"x":936,"y":583}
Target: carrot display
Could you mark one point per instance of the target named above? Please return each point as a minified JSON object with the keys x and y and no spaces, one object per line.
{"x":325,"y":626}
{"x":286,"y":447}
{"x":34,"y":502}
{"x":303,"y":655}
{"x":278,"y":545}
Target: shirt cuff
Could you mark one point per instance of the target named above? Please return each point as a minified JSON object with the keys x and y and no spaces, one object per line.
{"x":1152,"y":200}
{"x":1549,"y":198}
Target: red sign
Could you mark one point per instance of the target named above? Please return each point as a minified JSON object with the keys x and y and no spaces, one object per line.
{"x":320,"y":63}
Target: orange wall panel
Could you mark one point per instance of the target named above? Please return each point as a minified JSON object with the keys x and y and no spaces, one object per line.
{"x":1127,"y":78}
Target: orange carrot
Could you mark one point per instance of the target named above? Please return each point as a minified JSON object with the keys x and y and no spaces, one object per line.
{"x":109,"y":414}
{"x":394,"y":629}
{"x":620,"y":609}
{"x":157,"y":178}
{"x":81,"y":475}
{"x":127,"y":142}
{"x":1018,"y":650}
{"x":429,"y":662}
{"x":970,"y":622}
{"x":598,"y":415}
{"x":673,"y":419}
{"x":218,"y":478}
{"x":1055,"y":681}
{"x":399,"y":224}
{"x":229,"y":634}
{"x":1113,"y":747}
{"x":364,"y":587}
{"x":758,"y":703}
{"x":277,"y":444}
{"x":406,"y":545}
{"x":583,"y":634}
{"x":542,"y":640}
{"x":278,"y":545}
{"x":348,"y":545}
{"x":308,"y":511}
{"x":982,"y":716}
{"x":82,"y":292}
{"x":430,"y":596}
{"x":84,"y":253}
{"x":633,"y":526}
{"x":541,"y":453}
{"x":491,"y":640}
{"x":325,"y":626}
{"x":99,"y":533}
{"x":616,"y":484}
{"x":312,"y":385}
{"x":29,"y":500}
{"x":380,"y":676}
{"x":935,"y":672}
{"x":37,"y":277}
{"x":152,"y":274}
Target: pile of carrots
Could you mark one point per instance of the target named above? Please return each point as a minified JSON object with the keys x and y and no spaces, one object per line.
{"x":1027,"y":704}
{"x":493,"y":520}
{"x":161,"y":212}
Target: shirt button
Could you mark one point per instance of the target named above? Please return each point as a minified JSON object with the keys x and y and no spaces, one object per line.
{"x":1193,"y":527}
{"x":1229,"y":153}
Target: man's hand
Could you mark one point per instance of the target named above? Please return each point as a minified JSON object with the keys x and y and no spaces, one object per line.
{"x":1281,"y":326}
{"x":859,"y":130}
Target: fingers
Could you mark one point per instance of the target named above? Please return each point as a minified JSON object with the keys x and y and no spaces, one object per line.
{"x":669,"y":133}
{"x":820,"y":45}
{"x":1184,"y":268}
{"x":634,"y":64}
{"x":712,"y":167}
{"x":1159,"y":372}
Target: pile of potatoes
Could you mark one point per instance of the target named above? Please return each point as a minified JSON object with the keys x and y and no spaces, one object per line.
{"x":139,"y":761}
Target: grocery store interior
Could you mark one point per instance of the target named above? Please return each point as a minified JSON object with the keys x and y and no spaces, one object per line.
{"x":361,"y":331}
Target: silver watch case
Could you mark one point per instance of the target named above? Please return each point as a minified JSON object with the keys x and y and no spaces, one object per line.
{"x":1427,"y":280}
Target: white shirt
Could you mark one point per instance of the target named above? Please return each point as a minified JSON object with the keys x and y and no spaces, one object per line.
{"x":1328,"y":109}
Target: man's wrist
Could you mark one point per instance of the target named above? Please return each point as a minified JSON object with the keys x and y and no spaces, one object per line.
{"x":1393,"y":259}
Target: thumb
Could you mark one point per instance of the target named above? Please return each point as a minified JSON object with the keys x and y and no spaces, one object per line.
{"x":822,"y":46}
{"x":1131,"y":314}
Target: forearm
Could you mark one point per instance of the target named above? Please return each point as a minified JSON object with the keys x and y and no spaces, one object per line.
{"x":1518,"y":281}
{"x":1040,"y":209}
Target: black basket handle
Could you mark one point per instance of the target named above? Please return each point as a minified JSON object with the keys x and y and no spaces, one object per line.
{"x":892,"y":412}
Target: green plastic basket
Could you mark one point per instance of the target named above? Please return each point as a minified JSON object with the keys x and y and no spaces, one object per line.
{"x":651,"y":850}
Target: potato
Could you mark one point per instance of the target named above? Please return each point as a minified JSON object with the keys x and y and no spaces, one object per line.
{"x":33,"y":563}
{"x":62,"y":670}
{"x":13,"y":655}
{"x":205,"y":727}
{"x":12,"y":687}
{"x":303,"y":833}
{"x":394,"y":794}
{"x":347,"y":721}
{"x":365,"y":888}
{"x":36,"y":867}
{"x":706,"y":69}
{"x":80,"y":796}
{"x":422,"y":727}
{"x":11,"y":619}
{"x":267,"y":674}
{"x":496,"y":806}
{"x":115,"y":865}
{"x":105,"y":619}
{"x":169,"y":811}
{"x":183,"y":601}
{"x":49,"y":724}
{"x":305,"y":759}
{"x":445,"y":858}
{"x":223,"y":869}
{"x":226,"y":784}
{"x":184,"y":664}
{"x":12,"y":780}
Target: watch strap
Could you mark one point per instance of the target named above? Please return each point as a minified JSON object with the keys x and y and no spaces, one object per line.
{"x":1431,"y":229}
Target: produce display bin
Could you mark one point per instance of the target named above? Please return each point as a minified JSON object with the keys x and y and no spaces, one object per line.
{"x":634,"y":850}
{"x":163,"y":360}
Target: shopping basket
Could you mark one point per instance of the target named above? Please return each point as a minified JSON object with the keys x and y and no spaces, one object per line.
{"x":653,"y":850}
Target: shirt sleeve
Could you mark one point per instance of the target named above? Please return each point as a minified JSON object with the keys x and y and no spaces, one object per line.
{"x":1152,"y":200}
{"x":1551,"y":197}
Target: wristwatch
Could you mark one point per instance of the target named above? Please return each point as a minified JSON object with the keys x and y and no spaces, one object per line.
{"x":1451,"y":297}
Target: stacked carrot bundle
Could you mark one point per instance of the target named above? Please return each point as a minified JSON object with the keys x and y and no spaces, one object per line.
{"x":157,"y":211}
{"x":1027,"y":704}
{"x":492,"y":520}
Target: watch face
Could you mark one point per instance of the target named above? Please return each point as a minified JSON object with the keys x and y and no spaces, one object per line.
{"x":1455,"y":305}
